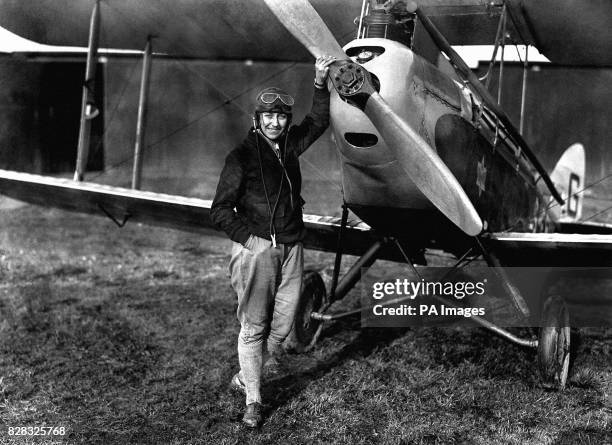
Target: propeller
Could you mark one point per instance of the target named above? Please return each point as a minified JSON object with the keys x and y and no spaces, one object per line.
{"x":420,"y":162}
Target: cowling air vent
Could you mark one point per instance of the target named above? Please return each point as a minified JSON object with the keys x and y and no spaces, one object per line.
{"x":361,"y":140}
{"x":364,"y":54}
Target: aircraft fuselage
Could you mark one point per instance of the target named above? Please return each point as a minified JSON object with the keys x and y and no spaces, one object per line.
{"x":499,"y":181}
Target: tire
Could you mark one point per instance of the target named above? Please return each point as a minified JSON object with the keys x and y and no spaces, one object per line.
{"x":304,"y":327}
{"x":554,"y":343}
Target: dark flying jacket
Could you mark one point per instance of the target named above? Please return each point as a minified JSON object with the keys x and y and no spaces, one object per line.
{"x":240,"y":207}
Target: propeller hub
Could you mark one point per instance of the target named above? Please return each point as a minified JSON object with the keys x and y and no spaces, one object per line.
{"x":348,"y":78}
{"x":352,"y":82}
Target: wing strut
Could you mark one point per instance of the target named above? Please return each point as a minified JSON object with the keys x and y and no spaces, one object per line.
{"x":524,"y":90}
{"x":465,"y":72}
{"x":143,"y":102}
{"x":88,"y":105}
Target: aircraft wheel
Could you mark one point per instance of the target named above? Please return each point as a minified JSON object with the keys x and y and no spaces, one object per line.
{"x":304,"y":327}
{"x":554,"y":343}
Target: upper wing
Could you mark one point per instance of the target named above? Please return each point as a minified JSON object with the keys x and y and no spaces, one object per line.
{"x":214,"y":29}
{"x":570,"y":32}
{"x":573,"y":32}
{"x":190,"y":214}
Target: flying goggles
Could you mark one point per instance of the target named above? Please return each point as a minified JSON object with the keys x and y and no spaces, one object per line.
{"x":270,"y":98}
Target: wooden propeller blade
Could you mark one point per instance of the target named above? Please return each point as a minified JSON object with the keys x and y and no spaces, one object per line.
{"x":418,"y":160}
{"x":425,"y":168}
{"x":305,"y":24}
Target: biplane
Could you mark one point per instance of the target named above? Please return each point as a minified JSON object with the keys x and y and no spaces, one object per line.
{"x":428,"y":158}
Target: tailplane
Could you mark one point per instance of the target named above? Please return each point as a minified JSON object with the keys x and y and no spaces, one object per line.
{"x":568,"y":177}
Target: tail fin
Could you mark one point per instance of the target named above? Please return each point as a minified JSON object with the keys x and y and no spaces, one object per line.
{"x":568,"y":177}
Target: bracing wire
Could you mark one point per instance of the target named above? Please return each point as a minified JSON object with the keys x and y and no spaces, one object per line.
{"x":113,"y":114}
{"x":596,"y":214}
{"x":554,"y":204}
{"x":228,"y":100}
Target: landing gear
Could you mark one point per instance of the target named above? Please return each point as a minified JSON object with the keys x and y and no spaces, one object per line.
{"x":554,"y":343}
{"x":305,"y":327}
{"x":315,"y":300}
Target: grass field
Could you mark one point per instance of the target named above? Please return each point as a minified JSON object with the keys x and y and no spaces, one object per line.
{"x":128,"y":336}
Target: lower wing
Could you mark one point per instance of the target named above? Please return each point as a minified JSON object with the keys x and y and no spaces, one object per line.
{"x":178,"y":212}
